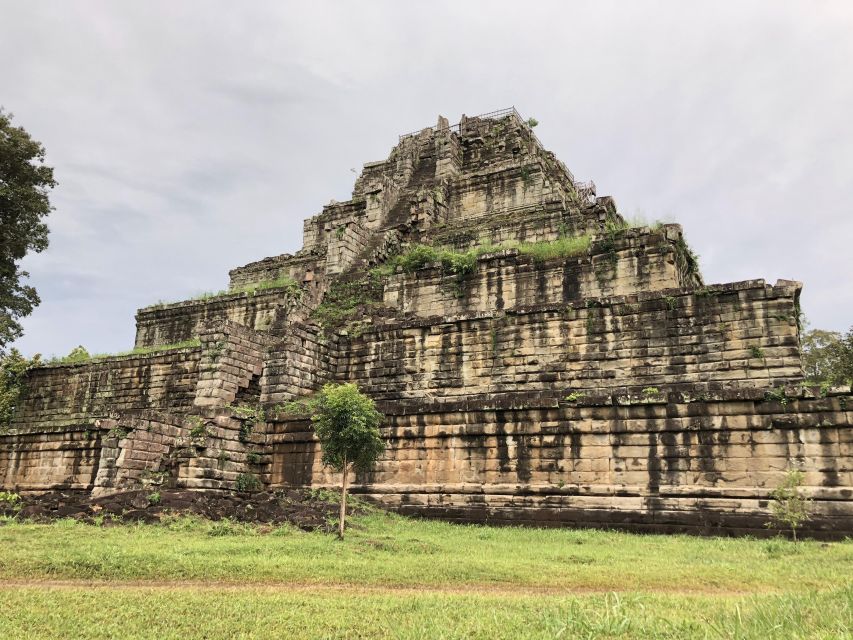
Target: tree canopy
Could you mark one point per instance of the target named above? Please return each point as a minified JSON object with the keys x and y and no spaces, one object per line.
{"x":25,"y":182}
{"x":827,"y":356}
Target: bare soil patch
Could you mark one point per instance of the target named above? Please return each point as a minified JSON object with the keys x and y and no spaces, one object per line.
{"x":300,"y":508}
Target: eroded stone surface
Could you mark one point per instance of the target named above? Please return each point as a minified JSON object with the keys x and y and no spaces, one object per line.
{"x":606,"y":388}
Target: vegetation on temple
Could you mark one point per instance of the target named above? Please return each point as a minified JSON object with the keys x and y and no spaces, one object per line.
{"x":80,"y":354}
{"x":284,"y":282}
{"x":13,"y":367}
{"x":25,"y":184}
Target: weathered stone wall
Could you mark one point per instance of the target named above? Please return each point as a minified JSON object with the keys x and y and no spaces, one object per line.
{"x":623,"y":266}
{"x":610,"y":389}
{"x":727,"y":335}
{"x":345,"y":244}
{"x":47,"y":457}
{"x":475,"y":195}
{"x":175,"y":323}
{"x":299,"y":268}
{"x":232,"y":446}
{"x":141,"y":448}
{"x":298,"y":365}
{"x":232,"y":359}
{"x":668,"y":463}
{"x":538,"y":223}
{"x":73,"y":394}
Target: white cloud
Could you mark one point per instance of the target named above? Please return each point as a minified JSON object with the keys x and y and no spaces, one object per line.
{"x":191,"y":137}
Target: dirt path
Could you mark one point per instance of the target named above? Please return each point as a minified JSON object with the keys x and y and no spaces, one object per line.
{"x":309,"y":587}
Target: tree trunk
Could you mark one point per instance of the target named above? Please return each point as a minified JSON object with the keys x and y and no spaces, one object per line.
{"x":343,"y":500}
{"x":794,"y":533}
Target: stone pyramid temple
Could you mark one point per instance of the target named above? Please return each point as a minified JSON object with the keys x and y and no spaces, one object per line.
{"x":537,"y":359}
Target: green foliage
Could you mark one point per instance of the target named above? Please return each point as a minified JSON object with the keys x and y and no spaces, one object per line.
{"x":397,"y":577}
{"x":10,"y":501}
{"x":532,"y":122}
{"x":347,"y":300}
{"x":561,"y":248}
{"x":253,"y":457}
{"x":756,"y":352}
{"x":651,"y":391}
{"x":199,"y":428}
{"x":154,"y":498}
{"x":287,"y":283}
{"x":347,"y":423}
{"x":228,"y":527}
{"x":452,"y":262}
{"x":249,"y":416}
{"x":247,"y":482}
{"x":827,"y":356}
{"x":574,"y":396}
{"x":79,"y":354}
{"x":25,"y":182}
{"x":301,"y":407}
{"x":777,"y":394}
{"x":462,"y":263}
{"x":789,"y":507}
{"x":118,"y":432}
{"x":689,"y":257}
{"x":13,"y":369}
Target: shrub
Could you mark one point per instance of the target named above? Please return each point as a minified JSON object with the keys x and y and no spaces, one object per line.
{"x":247,"y":483}
{"x":10,"y":501}
{"x":13,"y":367}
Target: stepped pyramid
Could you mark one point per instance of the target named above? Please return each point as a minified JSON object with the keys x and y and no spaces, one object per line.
{"x":538,"y":360}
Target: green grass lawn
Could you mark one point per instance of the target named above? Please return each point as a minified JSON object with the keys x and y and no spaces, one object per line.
{"x":399,"y":578}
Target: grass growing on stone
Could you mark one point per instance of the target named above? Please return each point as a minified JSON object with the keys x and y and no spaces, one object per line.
{"x":402,"y":578}
{"x":79,"y":355}
{"x":461,"y":263}
{"x":285,"y":282}
{"x":567,"y":247}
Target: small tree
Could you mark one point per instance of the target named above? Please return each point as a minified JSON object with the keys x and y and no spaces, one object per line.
{"x":347,"y":423}
{"x":790,"y":507}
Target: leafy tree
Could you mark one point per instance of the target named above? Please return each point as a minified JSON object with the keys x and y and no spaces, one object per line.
{"x":24,"y":184}
{"x":13,"y":366}
{"x":347,"y":423}
{"x":789,"y":507}
{"x":827,"y":356}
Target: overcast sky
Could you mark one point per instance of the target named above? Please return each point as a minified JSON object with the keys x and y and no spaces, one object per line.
{"x":192,"y":137}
